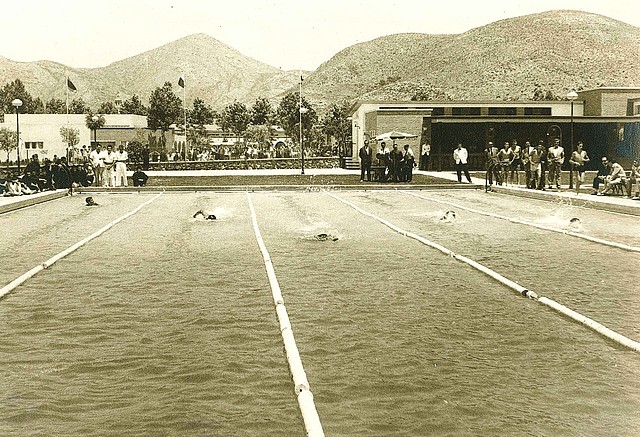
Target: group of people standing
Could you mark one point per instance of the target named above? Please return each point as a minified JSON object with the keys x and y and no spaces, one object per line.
{"x":109,"y":166}
{"x":541,"y":165}
{"x":393,"y":165}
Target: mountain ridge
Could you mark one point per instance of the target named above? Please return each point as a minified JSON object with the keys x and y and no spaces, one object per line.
{"x":506,"y":59}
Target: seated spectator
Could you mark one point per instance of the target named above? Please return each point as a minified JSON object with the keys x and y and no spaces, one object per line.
{"x":603,"y":171}
{"x":12,"y":187}
{"x":139,"y":178}
{"x":616,"y":177}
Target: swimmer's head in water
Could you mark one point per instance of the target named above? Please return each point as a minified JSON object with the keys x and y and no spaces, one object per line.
{"x":449,"y":215}
{"x":90,"y":201}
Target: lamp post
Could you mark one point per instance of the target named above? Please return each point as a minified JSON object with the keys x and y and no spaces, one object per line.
{"x":17,"y":103}
{"x":572,"y":95}
{"x":301,"y":111}
{"x":95,"y":119}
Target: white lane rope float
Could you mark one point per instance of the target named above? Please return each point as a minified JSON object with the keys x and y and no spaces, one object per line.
{"x":599,"y":328}
{"x":536,"y":225}
{"x":527,"y":223}
{"x":48,"y":263}
{"x":310,"y":416}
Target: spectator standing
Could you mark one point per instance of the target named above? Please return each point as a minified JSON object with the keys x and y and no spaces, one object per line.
{"x":461,"y":157}
{"x":383,"y":160}
{"x":395,"y":163}
{"x":634,"y":179}
{"x":426,"y":152}
{"x":108,"y":158}
{"x":516,"y":163}
{"x":492,"y":164}
{"x":555,"y":159}
{"x":578,"y":160}
{"x":145,"y":157}
{"x":408,"y":162}
{"x":96,"y":163}
{"x":505,"y":157}
{"x":527,"y":151}
{"x":121,"y":158}
{"x":365,"y":155}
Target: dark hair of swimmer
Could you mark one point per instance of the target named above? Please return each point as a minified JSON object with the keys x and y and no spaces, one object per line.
{"x":90,"y":201}
{"x":574,"y":220}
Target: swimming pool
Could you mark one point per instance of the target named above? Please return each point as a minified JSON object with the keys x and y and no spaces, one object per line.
{"x":164,"y":325}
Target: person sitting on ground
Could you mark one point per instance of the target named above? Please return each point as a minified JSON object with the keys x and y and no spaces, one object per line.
{"x":616,"y":177}
{"x":206,"y":216}
{"x":12,"y":187}
{"x":139,"y":178}
{"x":603,"y":172}
{"x":90,"y":201}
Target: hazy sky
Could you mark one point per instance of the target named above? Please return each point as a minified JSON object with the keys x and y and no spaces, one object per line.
{"x":289,"y":34}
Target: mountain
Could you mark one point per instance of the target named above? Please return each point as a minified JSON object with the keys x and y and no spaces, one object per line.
{"x":212,"y":70}
{"x":558,"y":50}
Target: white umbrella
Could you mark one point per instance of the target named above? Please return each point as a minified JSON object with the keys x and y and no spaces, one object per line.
{"x":394,"y":135}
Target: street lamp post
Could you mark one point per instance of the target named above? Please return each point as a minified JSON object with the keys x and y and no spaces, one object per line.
{"x":571,"y":96}
{"x":17,"y":103}
{"x":95,"y":119}
{"x":301,"y":111}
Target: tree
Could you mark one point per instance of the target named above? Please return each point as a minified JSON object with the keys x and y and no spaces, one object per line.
{"x":288,"y":114}
{"x":16,"y":90}
{"x":237,"y":117}
{"x":165,"y":109}
{"x":55,"y":106}
{"x":134,"y":106}
{"x":70,"y":135}
{"x":135,"y":150}
{"x":108,"y":108}
{"x":261,"y":112}
{"x":201,"y":113}
{"x":8,"y":140}
{"x":96,"y":124}
{"x":337,"y":124}
{"x":78,"y":106}
{"x":260,"y":134}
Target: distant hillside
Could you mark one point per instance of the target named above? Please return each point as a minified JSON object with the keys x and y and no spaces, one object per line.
{"x":559,"y":50}
{"x":213,"y":71}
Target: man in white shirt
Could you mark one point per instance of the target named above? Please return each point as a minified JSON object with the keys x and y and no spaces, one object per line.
{"x":108,"y":159}
{"x":121,"y":166}
{"x":461,"y":156}
{"x":96,"y":163}
{"x":555,"y":159}
{"x":426,"y":152}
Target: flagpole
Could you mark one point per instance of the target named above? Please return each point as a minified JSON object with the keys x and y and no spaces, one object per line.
{"x":184,"y":111}
{"x":300,"y":122}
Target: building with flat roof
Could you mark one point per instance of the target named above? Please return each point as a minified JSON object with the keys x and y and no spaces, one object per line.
{"x":606,"y":120}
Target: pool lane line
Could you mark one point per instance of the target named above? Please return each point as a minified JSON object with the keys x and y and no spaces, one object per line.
{"x":599,"y":328}
{"x":524,"y":222}
{"x":303,"y":392}
{"x":48,"y":263}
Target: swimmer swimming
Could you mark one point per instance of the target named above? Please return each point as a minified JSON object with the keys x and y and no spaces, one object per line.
{"x":204,"y":216}
{"x":449,"y":215}
{"x":90,"y":201}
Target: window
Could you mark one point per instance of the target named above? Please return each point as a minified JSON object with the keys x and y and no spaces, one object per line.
{"x":34,"y":145}
{"x":502,"y":110}
{"x":437,"y":112}
{"x":537,"y":111}
{"x":465,"y":111}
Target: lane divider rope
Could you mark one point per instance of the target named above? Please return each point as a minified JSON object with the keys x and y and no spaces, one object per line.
{"x":524,"y":222}
{"x":48,"y":263}
{"x":307,"y":406}
{"x":599,"y":328}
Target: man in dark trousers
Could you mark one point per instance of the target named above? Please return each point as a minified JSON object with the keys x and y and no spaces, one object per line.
{"x":395,"y":163}
{"x":365,"y":161}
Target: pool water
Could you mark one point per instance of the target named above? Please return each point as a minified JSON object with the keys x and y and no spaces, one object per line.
{"x":164,"y":325}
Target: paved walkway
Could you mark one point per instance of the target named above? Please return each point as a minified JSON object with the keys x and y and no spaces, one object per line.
{"x":611,"y":203}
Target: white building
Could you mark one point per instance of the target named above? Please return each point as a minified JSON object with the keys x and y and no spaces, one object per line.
{"x":40,"y":133}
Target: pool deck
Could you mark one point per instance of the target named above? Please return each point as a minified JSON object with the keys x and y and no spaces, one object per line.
{"x":618,"y":204}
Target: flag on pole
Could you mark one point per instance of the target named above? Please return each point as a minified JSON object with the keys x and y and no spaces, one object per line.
{"x":181,"y":82}
{"x":71,"y":86}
